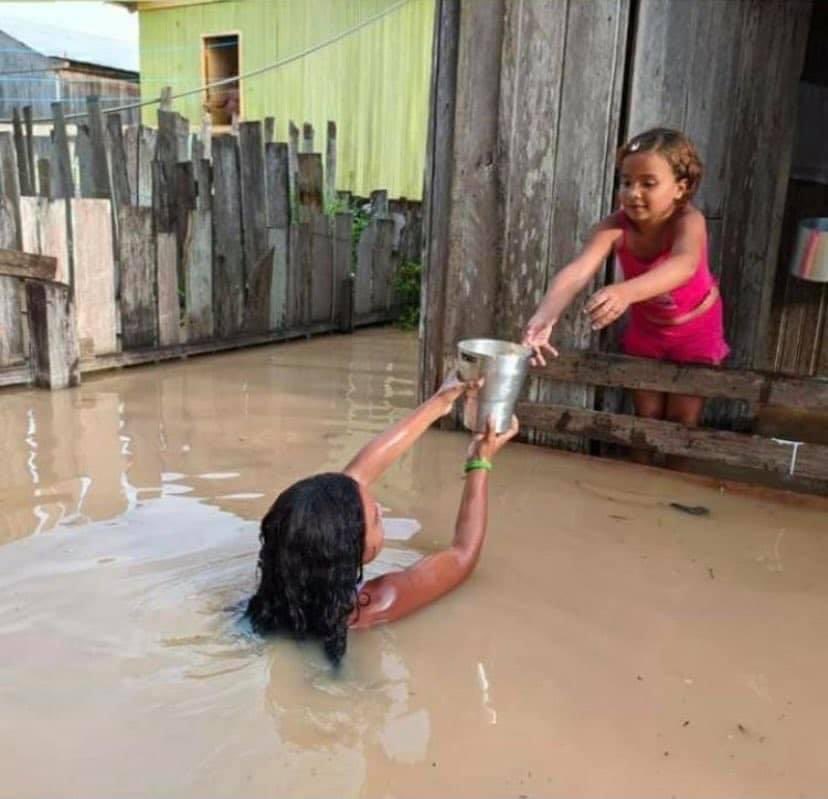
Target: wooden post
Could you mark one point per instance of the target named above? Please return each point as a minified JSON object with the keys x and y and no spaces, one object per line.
{"x":28,"y":126}
{"x":83,"y":153}
{"x":253,"y":206}
{"x":198,"y":271}
{"x":437,"y":191}
{"x":228,"y":257}
{"x":343,"y":283}
{"x":10,"y":189}
{"x":97,"y":142}
{"x":137,"y":264}
{"x":44,"y":181}
{"x":166,"y":99}
{"x":20,"y":150}
{"x":309,"y":183}
{"x":11,"y":332}
{"x":54,"y":343}
{"x":330,"y":164}
{"x":207,"y":136}
{"x":147,"y":140}
{"x":322,"y":267}
{"x":121,"y":194}
{"x":269,"y":129}
{"x":167,"y":294}
{"x":381,"y":264}
{"x":65,"y":185}
{"x":278,"y":225}
{"x":293,"y":159}
{"x":307,"y":138}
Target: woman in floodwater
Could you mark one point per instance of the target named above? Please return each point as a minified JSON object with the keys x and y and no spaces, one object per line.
{"x":320,"y":532}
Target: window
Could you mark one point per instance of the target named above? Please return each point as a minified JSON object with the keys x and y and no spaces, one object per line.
{"x":221,"y":60}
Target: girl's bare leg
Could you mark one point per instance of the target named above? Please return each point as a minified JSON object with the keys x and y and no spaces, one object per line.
{"x":687,"y":410}
{"x":650,"y":405}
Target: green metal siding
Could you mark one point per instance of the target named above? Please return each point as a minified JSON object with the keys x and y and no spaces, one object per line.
{"x":374,"y":83}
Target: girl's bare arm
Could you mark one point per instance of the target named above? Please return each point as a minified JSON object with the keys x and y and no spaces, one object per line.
{"x":395,"y":595}
{"x":379,"y":453}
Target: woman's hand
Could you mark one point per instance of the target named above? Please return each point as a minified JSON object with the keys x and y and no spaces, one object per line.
{"x":487,"y":445}
{"x":536,"y":335}
{"x":452,"y":389}
{"x":607,"y":305}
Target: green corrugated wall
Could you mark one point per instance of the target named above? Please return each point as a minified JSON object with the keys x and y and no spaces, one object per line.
{"x":374,"y":83}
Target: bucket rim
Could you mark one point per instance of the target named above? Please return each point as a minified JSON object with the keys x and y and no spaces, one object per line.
{"x":514,"y":350}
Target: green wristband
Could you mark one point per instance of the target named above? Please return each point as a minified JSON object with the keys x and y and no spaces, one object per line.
{"x":477,"y":463}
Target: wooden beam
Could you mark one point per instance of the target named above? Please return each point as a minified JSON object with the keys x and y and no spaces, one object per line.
{"x":789,"y":459}
{"x":14,"y":263}
{"x":604,"y":369}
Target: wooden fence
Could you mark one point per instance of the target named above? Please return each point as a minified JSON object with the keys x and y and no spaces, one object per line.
{"x":798,"y":463}
{"x":170,"y":242}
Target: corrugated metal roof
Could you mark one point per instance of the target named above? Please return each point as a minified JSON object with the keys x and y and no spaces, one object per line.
{"x":51,"y":40}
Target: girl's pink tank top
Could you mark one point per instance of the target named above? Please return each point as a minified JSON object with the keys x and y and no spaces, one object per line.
{"x":680,"y":300}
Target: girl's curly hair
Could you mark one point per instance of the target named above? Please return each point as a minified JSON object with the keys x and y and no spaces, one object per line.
{"x":675,"y":147}
{"x":310,"y":562}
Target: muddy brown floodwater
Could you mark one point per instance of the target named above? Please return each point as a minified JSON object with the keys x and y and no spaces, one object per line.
{"x":607,"y":645}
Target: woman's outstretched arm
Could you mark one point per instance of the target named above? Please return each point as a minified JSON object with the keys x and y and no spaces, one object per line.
{"x":379,"y":453}
{"x":395,"y":595}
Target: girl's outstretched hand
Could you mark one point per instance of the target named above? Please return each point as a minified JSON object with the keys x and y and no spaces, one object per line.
{"x":536,"y":335}
{"x":607,"y":305}
{"x":487,"y":445}
{"x":453,"y":388}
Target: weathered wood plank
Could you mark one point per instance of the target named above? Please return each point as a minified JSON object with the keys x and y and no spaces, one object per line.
{"x":309,"y":183}
{"x":28,"y":129}
{"x":307,"y":137}
{"x":277,"y":204}
{"x":94,"y":275}
{"x":167,"y":297}
{"x":293,"y":158}
{"x":343,"y":284}
{"x":198,"y":271}
{"x":44,"y":178}
{"x":228,"y":257}
{"x":322,"y":265}
{"x":83,"y":156}
{"x":14,"y":263}
{"x":137,"y":265}
{"x":11,"y":333}
{"x":604,"y":369}
{"x":253,"y":206}
{"x":121,"y":193}
{"x":364,"y":269}
{"x":330,"y":163}
{"x":787,"y":459}
{"x":10,"y":187}
{"x":20,"y":151}
{"x":269,"y":129}
{"x":277,"y":185}
{"x":381,"y":265}
{"x":52,"y":332}
{"x":64,"y":185}
{"x":147,"y":142}
{"x":257,"y":310}
{"x":97,"y":144}
{"x":130,"y":139}
{"x":204,"y":183}
{"x":44,"y":231}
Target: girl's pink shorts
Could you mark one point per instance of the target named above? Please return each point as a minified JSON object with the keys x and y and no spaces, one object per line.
{"x":698,"y":341}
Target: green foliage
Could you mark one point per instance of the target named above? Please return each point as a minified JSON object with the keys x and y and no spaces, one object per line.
{"x":407,"y":289}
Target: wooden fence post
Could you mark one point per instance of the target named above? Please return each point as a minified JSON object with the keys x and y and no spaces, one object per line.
{"x":54,"y":343}
{"x":97,"y":142}
{"x":278,"y":226}
{"x":330,"y":164}
{"x":307,"y":138}
{"x":252,"y":171}
{"x":137,"y":264}
{"x":228,"y":257}
{"x":20,"y":150}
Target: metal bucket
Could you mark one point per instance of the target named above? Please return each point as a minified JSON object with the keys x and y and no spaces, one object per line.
{"x":810,"y":259}
{"x":503,"y":365}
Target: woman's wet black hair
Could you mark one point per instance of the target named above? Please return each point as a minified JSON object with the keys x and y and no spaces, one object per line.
{"x":310,"y":562}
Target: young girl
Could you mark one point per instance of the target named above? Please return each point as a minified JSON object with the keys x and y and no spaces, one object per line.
{"x":320,"y":531}
{"x":660,"y":240}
